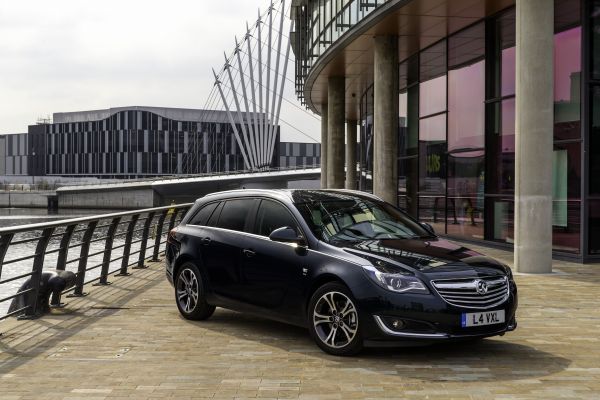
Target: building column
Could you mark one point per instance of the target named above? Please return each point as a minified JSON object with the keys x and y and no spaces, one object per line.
{"x":385,"y":119}
{"x":534,"y":136}
{"x":336,"y":128}
{"x":351,"y":155}
{"x":324,"y":119}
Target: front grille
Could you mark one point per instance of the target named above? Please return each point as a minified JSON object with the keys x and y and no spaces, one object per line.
{"x":464,"y":292}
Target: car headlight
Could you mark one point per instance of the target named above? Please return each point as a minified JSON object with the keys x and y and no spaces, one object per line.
{"x":394,"y":281}
{"x":509,"y":273}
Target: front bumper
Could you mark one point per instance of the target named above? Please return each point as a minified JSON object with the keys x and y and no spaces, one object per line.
{"x":426,"y":318}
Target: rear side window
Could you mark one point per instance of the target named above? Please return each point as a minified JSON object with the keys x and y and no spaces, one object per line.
{"x":234,"y":214}
{"x":202,"y":216}
{"x":272,"y":215}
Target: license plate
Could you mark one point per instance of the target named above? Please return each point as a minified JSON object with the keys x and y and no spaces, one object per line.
{"x":482,"y":318}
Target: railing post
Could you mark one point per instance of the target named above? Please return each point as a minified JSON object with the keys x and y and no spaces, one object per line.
{"x":36,"y":276}
{"x":4,"y":244}
{"x":108,"y":246}
{"x":64,"y":247}
{"x":83,"y":256}
{"x":158,"y":234}
{"x":127,"y":247}
{"x":144,"y":242}
{"x":172,"y":221}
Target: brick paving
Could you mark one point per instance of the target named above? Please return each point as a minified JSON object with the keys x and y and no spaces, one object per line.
{"x":127,"y":341}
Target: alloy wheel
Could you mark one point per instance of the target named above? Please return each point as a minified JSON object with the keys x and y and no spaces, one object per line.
{"x":335,"y":319}
{"x":187,"y":290}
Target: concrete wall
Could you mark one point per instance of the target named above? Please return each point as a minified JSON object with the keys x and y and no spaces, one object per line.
{"x":123,"y":198}
{"x":25,"y":199}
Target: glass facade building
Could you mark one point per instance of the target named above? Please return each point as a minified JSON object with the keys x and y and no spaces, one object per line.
{"x":456,"y":116}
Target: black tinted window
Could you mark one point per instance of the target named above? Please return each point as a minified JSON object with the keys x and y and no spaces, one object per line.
{"x":234,"y":213}
{"x":203,"y":214}
{"x":212,"y":221}
{"x":273,"y":215}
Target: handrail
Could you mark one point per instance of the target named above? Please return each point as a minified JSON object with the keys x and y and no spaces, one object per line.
{"x":136,"y":232}
{"x":72,"y":221}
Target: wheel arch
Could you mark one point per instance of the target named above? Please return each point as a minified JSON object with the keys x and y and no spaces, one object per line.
{"x":319,"y":281}
{"x":182,"y":259}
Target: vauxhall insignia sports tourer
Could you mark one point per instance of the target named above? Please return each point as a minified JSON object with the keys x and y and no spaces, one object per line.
{"x":354,"y":270}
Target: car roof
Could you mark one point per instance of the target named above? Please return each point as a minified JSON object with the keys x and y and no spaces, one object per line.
{"x":293,"y":195}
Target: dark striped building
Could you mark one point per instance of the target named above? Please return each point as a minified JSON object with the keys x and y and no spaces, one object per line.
{"x":133,"y":142}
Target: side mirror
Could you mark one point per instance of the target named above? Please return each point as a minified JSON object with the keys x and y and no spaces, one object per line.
{"x":286,"y":234}
{"x":428,"y":227}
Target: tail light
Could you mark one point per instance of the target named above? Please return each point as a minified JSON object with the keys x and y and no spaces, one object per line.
{"x":171,"y":238}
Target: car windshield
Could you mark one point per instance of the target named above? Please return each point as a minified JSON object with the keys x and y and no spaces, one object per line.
{"x":357,"y":219}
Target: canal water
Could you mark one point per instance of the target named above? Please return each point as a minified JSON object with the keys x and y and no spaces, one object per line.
{"x":22,"y":216}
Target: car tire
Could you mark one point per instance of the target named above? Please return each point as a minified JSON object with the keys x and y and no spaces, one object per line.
{"x":333,"y":320}
{"x":190,"y":293}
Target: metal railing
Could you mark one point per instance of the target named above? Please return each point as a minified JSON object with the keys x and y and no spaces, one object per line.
{"x":108,"y":244}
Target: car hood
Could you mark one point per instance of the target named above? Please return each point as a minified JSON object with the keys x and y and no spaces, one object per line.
{"x":430,"y":256}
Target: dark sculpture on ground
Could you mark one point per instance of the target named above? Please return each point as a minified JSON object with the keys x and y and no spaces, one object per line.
{"x":53,"y":282}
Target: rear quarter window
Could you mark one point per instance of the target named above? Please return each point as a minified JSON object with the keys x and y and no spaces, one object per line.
{"x":203,"y":214}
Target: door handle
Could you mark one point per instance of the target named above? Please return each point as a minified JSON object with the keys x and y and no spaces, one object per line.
{"x":206,"y":241}
{"x":249,"y":253}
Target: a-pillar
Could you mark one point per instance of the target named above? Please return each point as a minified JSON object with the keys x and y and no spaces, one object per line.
{"x":324,"y":146}
{"x":534,"y":136}
{"x":385,"y":118}
{"x":351,"y":155}
{"x":336,"y":128}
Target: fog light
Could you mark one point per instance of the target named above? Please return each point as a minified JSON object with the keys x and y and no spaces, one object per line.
{"x":398,"y":324}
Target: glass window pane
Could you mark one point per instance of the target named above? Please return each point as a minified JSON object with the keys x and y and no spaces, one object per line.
{"x":433,"y":129}
{"x":432,"y":62}
{"x":508,"y":79}
{"x":505,"y":52}
{"x":466,"y":194}
{"x":567,"y":13}
{"x":466,"y":108}
{"x":566,"y":195}
{"x":501,"y":147}
{"x":567,"y":84}
{"x":566,"y":231}
{"x":500,"y":216}
{"x":407,"y":183}
{"x":432,"y":209}
{"x":466,"y":46}
{"x":234,"y":214}
{"x":271,"y":216}
{"x":432,"y":96}
{"x":202,"y":216}
{"x":432,"y":154}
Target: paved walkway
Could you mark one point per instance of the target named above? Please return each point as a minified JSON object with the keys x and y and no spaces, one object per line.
{"x":128,"y":341}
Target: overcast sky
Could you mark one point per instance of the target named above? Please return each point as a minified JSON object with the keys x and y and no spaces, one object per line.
{"x":72,"y":55}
